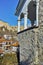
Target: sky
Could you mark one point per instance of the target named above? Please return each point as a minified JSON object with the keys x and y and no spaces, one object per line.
{"x":7,"y":11}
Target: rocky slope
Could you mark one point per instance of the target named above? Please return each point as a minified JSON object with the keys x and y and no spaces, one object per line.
{"x":5,"y":25}
{"x":6,"y":28}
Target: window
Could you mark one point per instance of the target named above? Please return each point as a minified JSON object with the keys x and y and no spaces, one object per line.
{"x":6,"y":43}
{"x":32,"y":12}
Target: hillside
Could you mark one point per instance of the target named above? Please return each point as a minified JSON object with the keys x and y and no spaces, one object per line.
{"x":8,"y":27}
{"x":5,"y":28}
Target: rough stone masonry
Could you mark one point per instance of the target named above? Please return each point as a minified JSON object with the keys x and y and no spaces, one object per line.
{"x":31,"y":43}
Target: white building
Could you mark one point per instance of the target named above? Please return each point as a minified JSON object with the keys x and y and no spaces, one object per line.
{"x":7,"y":36}
{"x":27,"y":9}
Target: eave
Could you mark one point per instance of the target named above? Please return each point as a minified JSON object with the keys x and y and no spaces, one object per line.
{"x":19,"y":7}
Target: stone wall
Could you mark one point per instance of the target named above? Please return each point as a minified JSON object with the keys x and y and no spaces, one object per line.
{"x":31,"y":46}
{"x":28,"y":48}
{"x":40,"y":33}
{"x":31,"y":42}
{"x":40,"y":44}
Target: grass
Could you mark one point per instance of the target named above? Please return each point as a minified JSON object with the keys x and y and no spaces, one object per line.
{"x":9,"y":59}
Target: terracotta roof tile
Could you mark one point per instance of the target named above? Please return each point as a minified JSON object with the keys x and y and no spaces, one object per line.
{"x":16,"y":44}
{"x":1,"y":51}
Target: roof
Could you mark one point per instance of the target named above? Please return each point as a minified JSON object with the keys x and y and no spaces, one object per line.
{"x":16,"y":44}
{"x":8,"y":40}
{"x":2,"y":39}
{"x":5,"y":40}
{"x":19,"y":6}
{"x":1,"y":51}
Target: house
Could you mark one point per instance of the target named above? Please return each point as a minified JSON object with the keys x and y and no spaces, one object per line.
{"x":1,"y":52}
{"x":7,"y":36}
{"x":8,"y":45}
{"x":15,"y":46}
